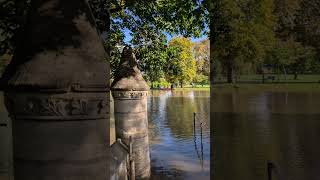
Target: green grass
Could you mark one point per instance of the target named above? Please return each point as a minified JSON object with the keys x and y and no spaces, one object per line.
{"x":278,"y":78}
{"x":293,"y":87}
{"x":196,"y":87}
{"x":189,"y":89}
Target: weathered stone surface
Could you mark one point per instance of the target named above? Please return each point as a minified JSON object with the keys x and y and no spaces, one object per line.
{"x":60,"y":49}
{"x":130,"y":95}
{"x":119,"y":162}
{"x":57,"y":94}
{"x":130,"y":92}
{"x":49,"y":145}
{"x":128,"y":77}
{"x":51,"y":106}
{"x":130,"y":106}
{"x":129,"y":122}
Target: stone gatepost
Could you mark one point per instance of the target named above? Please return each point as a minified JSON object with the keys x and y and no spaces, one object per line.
{"x":57,"y":94}
{"x":130,"y":92}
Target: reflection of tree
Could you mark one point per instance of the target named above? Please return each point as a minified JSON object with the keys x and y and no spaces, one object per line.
{"x":179,"y":113}
{"x":203,"y":112}
{"x":239,"y":139}
{"x":267,"y":131}
{"x":154,"y":113}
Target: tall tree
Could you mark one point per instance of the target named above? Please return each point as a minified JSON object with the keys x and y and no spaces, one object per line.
{"x":152,"y":58}
{"x":241,"y":31}
{"x":149,"y":20}
{"x":201,"y":52}
{"x":307,"y":25}
{"x":186,"y":17}
{"x":185,"y":63}
{"x":298,"y":36}
{"x":291,"y":57}
{"x":286,"y":13}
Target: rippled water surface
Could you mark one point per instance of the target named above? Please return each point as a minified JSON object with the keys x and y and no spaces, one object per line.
{"x":175,"y":152}
{"x":252,"y":128}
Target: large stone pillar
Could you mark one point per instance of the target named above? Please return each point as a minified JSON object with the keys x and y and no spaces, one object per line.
{"x":57,"y":94}
{"x":130,"y":92}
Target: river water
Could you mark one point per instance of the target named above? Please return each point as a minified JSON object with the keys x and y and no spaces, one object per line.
{"x":176,"y":153}
{"x":252,"y":128}
{"x":176,"y":150}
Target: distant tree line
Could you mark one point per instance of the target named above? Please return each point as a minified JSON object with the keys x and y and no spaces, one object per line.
{"x":245,"y":36}
{"x":250,"y":35}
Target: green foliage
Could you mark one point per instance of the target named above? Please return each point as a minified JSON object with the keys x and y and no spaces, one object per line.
{"x":291,"y":55}
{"x":201,"y":79}
{"x":308,"y":24}
{"x":283,"y":34}
{"x":182,"y":68}
{"x":173,"y":68}
{"x":242,"y":32}
{"x":201,"y":52}
{"x":147,"y":21}
{"x":298,"y":28}
{"x":162,"y":83}
{"x":286,"y":13}
{"x":12,"y":21}
{"x":152,"y":58}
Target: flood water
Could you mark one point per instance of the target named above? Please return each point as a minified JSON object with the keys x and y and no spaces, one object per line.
{"x":252,"y":128}
{"x":175,"y":150}
{"x":176,"y":153}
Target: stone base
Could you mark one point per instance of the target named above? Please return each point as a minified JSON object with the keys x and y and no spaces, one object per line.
{"x":59,"y":136}
{"x":131,"y":121}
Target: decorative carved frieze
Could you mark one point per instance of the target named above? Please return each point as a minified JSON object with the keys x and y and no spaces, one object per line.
{"x":58,"y":106}
{"x":129,"y":94}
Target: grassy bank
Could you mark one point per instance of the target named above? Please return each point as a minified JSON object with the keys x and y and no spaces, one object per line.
{"x":274,"y":78}
{"x":197,"y":87}
{"x":294,"y":87}
{"x":256,"y":87}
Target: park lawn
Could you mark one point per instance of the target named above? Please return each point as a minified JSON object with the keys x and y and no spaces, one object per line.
{"x":280,"y":87}
{"x":196,"y":87}
{"x":256,"y":78}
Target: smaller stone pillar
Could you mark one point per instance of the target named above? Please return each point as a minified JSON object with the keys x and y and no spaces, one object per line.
{"x":130,"y":92}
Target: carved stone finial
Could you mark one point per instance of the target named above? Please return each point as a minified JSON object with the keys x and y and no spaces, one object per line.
{"x":128,"y":76}
{"x":61,"y":38}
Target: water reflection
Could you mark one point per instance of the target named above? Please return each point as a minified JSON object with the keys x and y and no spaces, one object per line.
{"x":172,"y":145}
{"x":252,"y":128}
{"x":172,"y":142}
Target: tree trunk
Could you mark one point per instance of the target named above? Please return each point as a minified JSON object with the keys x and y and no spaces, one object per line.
{"x":212,"y":68}
{"x":285,"y":73}
{"x":230,"y":74}
{"x":295,"y":76}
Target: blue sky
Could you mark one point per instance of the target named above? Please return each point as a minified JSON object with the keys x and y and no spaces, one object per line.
{"x":169,"y":37}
